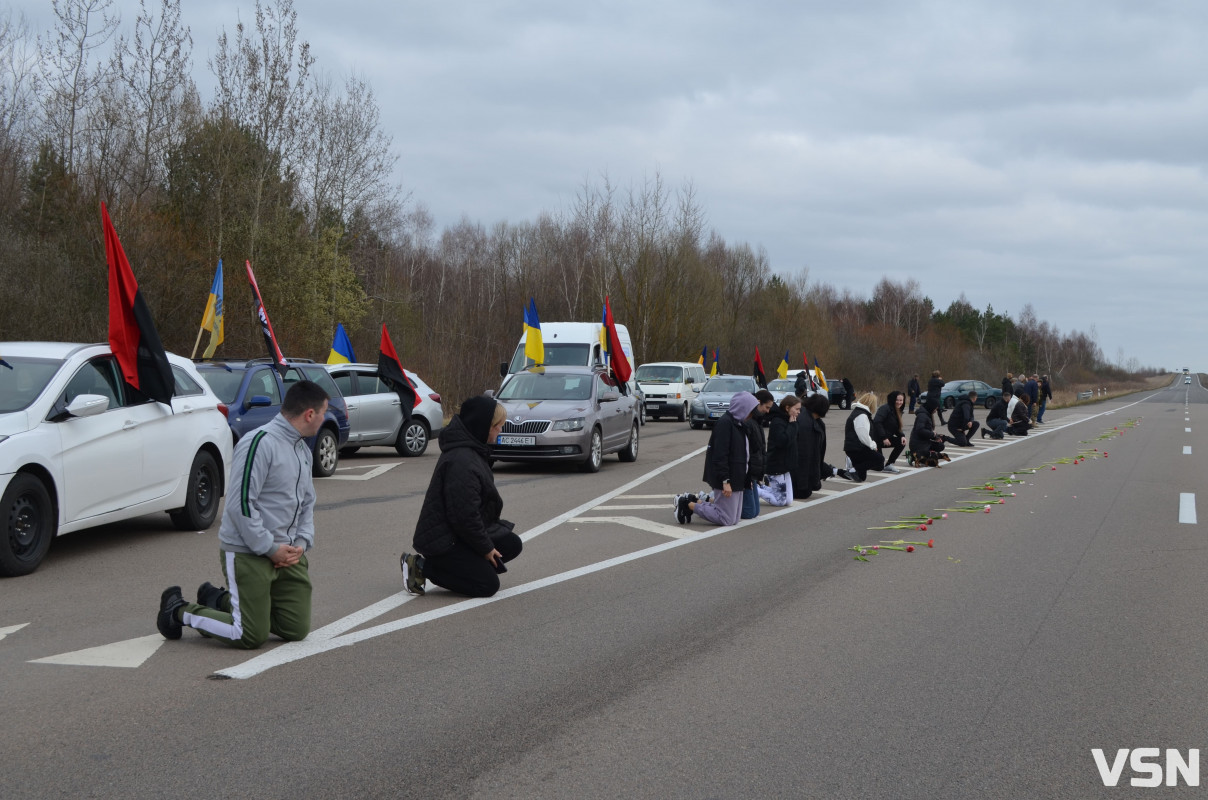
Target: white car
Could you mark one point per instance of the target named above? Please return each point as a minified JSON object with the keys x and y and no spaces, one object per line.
{"x":77,"y":450}
{"x":375,"y":416}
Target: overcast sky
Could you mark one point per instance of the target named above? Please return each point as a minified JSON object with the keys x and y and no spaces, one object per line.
{"x":1051,"y":153}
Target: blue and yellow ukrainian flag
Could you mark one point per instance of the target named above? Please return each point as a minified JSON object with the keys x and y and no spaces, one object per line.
{"x":341,"y":348}
{"x":782,"y":370}
{"x":818,"y":375}
{"x":713,"y":371}
{"x":211,"y":320}
{"x":704,"y":353}
{"x":534,"y":347}
{"x":604,"y":334}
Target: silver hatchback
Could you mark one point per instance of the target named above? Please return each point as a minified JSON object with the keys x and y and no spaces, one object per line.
{"x":375,"y":415}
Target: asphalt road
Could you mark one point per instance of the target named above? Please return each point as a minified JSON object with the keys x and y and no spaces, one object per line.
{"x":630,"y":656}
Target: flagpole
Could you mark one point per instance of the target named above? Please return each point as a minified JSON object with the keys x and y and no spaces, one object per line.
{"x":200,"y":331}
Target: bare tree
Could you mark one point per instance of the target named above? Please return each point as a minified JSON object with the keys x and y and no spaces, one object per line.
{"x":154,"y":69}
{"x":82,"y":26}
{"x":19,"y":82}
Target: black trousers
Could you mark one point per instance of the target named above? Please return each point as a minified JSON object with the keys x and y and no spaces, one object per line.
{"x":863,"y":460}
{"x":961,"y":437}
{"x":899,"y":444}
{"x":465,"y":572}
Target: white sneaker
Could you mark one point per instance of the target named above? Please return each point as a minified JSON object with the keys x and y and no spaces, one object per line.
{"x":892,"y":469}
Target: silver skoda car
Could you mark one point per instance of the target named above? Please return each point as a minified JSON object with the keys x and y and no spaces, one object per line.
{"x":566,"y":414}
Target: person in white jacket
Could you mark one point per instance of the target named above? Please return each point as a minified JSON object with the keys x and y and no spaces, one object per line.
{"x":858,"y":444}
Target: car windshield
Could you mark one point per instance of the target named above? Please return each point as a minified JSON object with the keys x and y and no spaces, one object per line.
{"x":224,"y":382}
{"x":532,"y":386}
{"x":729,"y":385}
{"x":781,"y":385}
{"x":23,"y":379}
{"x":653,"y":374}
{"x":556,"y":355}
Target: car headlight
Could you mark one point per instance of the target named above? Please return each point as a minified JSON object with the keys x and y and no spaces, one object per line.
{"x":698,"y":405}
{"x":575,"y":424}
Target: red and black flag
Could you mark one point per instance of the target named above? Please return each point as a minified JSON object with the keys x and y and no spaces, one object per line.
{"x":132,"y":335}
{"x":616,"y":355}
{"x":391,"y":372}
{"x":266,"y":327}
{"x":760,"y":378}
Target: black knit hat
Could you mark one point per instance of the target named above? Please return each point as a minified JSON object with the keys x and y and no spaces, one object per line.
{"x":476,"y":414}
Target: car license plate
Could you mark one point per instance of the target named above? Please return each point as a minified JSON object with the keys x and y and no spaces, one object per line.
{"x":530,"y":440}
{"x":716,"y":414}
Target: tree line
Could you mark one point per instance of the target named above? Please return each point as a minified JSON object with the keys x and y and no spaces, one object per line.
{"x":286,"y":167}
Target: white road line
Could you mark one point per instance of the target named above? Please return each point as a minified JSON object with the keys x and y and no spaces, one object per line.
{"x":1187,"y":508}
{"x":11,"y":629}
{"x":641,"y":524}
{"x":643,"y":497}
{"x":1186,"y":449}
{"x":313,"y":645}
{"x":370,"y":475}
{"x":1186,"y":430}
{"x":129,"y":654}
{"x":634,"y":508}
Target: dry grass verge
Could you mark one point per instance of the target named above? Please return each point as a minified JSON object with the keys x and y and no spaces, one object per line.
{"x":1068,"y":398}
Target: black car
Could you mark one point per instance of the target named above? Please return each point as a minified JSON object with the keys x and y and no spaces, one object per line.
{"x":251,"y":392}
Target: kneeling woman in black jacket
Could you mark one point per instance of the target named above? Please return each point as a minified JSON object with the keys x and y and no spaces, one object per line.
{"x":461,"y":542}
{"x":926,"y":446}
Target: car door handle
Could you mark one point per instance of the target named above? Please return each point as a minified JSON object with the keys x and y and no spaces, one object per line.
{"x":396,"y":402}
{"x":351,"y":407}
{"x":130,"y":424}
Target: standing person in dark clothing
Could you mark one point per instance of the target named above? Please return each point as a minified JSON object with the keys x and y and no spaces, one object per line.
{"x":849,"y":392}
{"x":913,"y":390}
{"x":1020,"y":417}
{"x":460,"y":540}
{"x":801,"y":385}
{"x":961,"y":423}
{"x":782,"y":452}
{"x":1008,"y":384}
{"x":726,"y":465}
{"x":996,"y":420}
{"x":1046,"y":394}
{"x":887,"y":428}
{"x":858,"y":443}
{"x":935,"y":387}
{"x":926,"y":446}
{"x":1032,"y":387}
{"x":758,"y":450}
{"x":811,"y":468}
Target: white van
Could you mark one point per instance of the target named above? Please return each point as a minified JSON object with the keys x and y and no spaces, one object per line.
{"x":568,"y":344}
{"x":669,"y":387}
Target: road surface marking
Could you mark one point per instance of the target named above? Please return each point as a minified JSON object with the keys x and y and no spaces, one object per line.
{"x":370,"y":475}
{"x":1187,"y":508}
{"x":129,"y":654}
{"x":643,"y":497}
{"x":641,"y":524}
{"x":1186,"y":430}
{"x":323,"y":640}
{"x":634,"y":508}
{"x":11,"y":629}
{"x":1186,"y":449}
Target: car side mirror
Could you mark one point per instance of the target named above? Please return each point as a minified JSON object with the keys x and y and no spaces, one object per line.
{"x":489,"y":392}
{"x":696,"y":389}
{"x":609,"y":397}
{"x":503,"y":369}
{"x":88,"y":405}
{"x":259,"y":401}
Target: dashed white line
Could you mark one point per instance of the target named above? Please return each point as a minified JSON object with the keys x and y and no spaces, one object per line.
{"x":1186,"y":449}
{"x":1187,"y":508}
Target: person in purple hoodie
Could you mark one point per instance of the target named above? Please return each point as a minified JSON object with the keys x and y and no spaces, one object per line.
{"x":725,"y":468}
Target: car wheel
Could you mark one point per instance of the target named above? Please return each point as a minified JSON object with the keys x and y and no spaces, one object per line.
{"x":696,"y":426}
{"x":950,"y":403}
{"x":413,"y":439}
{"x":989,"y":402}
{"x":29,"y":525}
{"x":683,"y":413}
{"x":327,"y":453}
{"x":656,"y":417}
{"x":595,"y":453}
{"x":347,"y":451}
{"x":201,"y":497}
{"x":630,"y":453}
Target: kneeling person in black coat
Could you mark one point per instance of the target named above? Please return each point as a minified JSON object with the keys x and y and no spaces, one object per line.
{"x":961,"y":423}
{"x":460,"y":541}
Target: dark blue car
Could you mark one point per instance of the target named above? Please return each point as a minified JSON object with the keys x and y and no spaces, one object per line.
{"x":251,"y":393}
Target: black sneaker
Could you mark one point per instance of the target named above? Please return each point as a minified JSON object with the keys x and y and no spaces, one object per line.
{"x":413,"y":573}
{"x":842,"y":473}
{"x":682,"y":514}
{"x":983,"y":433}
{"x":170,"y":602}
{"x":211,"y":596}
